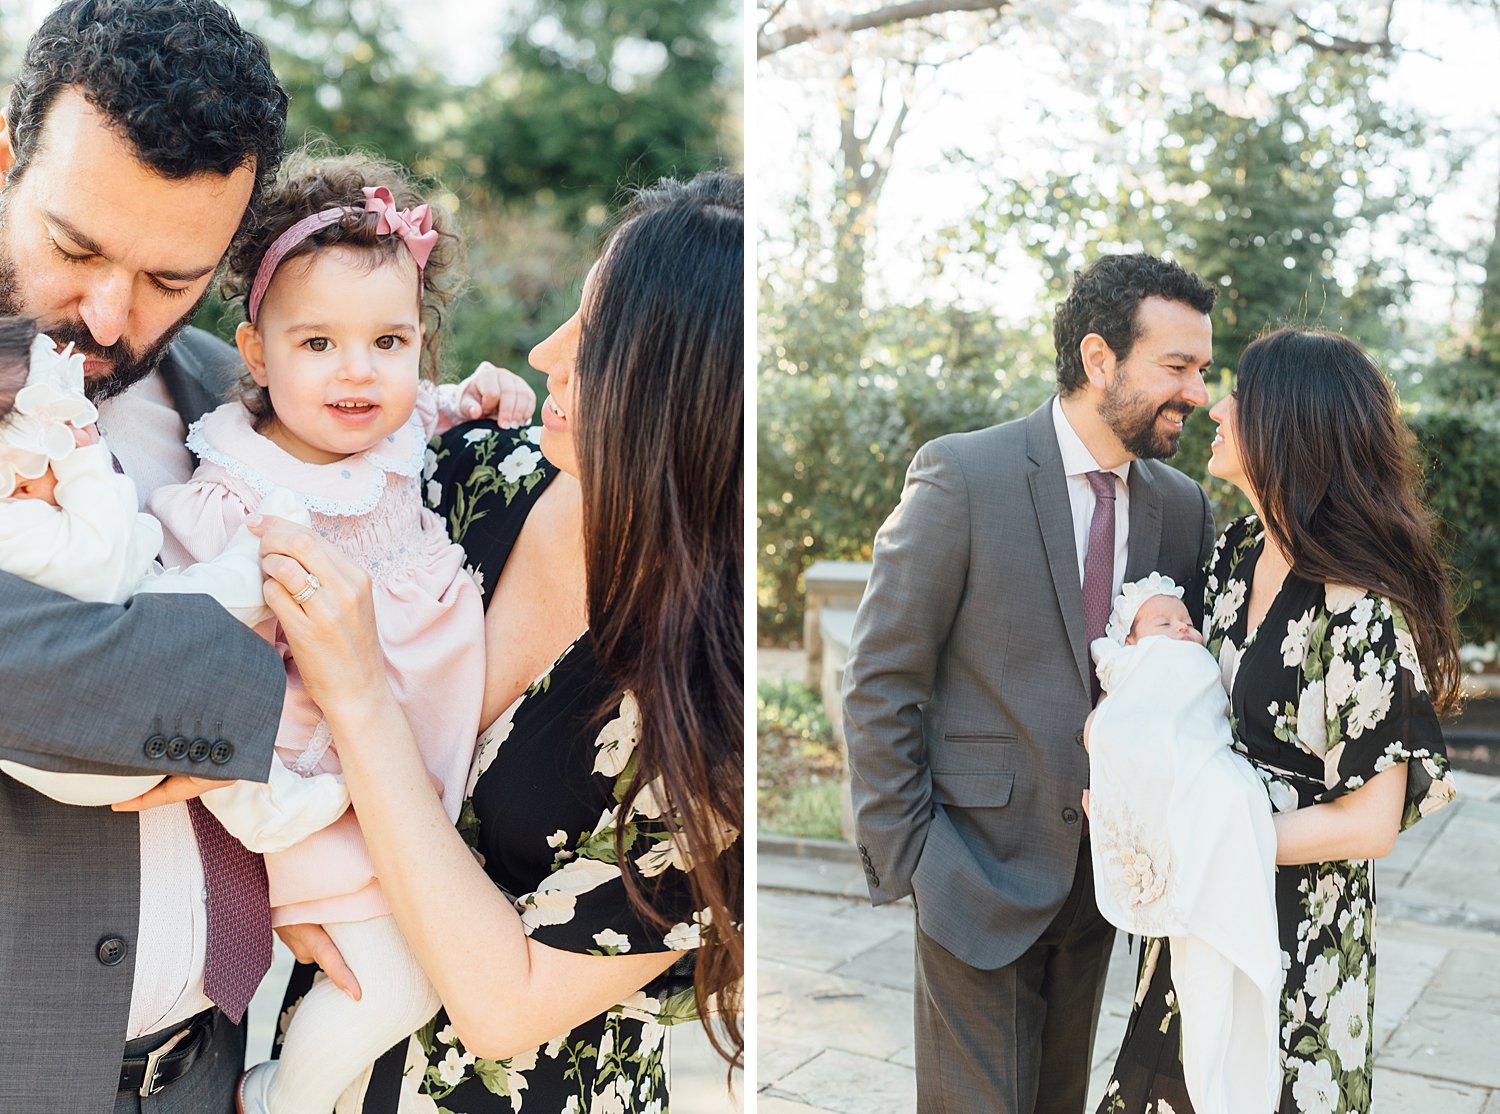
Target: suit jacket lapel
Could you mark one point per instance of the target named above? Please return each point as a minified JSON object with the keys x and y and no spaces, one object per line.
{"x":1054,"y":514}
{"x":1144,"y":547}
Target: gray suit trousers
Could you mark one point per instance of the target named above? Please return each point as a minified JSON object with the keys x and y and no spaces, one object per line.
{"x":1018,"y":1039}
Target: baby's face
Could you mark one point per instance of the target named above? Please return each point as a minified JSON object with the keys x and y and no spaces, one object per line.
{"x":1164,"y":615}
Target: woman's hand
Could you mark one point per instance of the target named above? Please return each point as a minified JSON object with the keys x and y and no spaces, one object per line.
{"x":331,"y":628}
{"x":310,"y":943}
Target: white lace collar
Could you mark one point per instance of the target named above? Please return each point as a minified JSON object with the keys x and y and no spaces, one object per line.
{"x":348,"y":487}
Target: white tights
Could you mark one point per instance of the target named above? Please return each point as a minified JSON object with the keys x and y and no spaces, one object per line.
{"x":332,"y":1039}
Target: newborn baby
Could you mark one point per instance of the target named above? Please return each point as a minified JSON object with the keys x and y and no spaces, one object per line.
{"x":70,"y":522}
{"x":1183,"y":845}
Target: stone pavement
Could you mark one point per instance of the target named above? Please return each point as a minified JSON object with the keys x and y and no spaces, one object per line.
{"x":835,"y":975}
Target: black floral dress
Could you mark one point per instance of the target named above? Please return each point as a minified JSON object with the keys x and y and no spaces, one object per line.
{"x":1326,"y":693}
{"x":541,"y":815}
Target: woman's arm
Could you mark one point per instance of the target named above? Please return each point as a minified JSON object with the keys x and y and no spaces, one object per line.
{"x":1360,"y":825}
{"x":504,"y":992}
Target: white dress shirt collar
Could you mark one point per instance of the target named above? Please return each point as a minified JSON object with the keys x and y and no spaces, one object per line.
{"x":1076,"y":457}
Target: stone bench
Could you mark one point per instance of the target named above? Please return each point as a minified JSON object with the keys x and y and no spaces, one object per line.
{"x":836,"y":585}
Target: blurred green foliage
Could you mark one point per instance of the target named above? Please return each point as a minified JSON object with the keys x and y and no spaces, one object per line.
{"x":584,"y":100}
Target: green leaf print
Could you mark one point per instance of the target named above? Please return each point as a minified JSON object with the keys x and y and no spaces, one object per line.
{"x":494,"y":1074}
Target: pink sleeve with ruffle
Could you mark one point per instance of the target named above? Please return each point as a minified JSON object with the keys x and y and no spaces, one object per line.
{"x":199,"y":517}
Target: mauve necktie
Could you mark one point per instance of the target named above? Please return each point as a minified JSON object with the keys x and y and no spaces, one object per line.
{"x":1099,"y":564}
{"x":239,"y":915}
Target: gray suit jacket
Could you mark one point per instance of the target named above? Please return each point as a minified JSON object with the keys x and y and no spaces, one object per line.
{"x":84,"y":686}
{"x":967,"y":681}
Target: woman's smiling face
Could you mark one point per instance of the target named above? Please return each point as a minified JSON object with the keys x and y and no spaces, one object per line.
{"x":557,"y":358}
{"x":1224,"y":460}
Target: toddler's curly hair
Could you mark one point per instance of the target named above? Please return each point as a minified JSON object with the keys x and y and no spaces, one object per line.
{"x":316,"y":178}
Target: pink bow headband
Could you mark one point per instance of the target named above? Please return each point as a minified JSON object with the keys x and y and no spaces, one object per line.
{"x":414,"y":226}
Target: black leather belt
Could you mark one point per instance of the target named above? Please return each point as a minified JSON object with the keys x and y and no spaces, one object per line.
{"x":169,"y":1061}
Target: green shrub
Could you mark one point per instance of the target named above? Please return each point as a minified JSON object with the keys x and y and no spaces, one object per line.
{"x":799,"y":772}
{"x":1462,"y":452}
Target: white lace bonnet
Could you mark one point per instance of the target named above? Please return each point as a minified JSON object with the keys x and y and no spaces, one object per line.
{"x":40,"y":428}
{"x":1130,"y":599}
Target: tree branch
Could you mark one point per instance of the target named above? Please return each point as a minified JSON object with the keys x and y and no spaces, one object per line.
{"x":771,"y":42}
{"x":1309,"y":35}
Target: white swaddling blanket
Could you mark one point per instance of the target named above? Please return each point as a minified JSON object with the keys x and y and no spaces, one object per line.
{"x":1183,"y":847}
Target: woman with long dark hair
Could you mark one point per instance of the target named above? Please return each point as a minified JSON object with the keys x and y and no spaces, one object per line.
{"x":591,"y":894}
{"x":1330,"y":613}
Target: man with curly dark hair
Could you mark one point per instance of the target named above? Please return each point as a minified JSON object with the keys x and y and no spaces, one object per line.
{"x":138,"y":135}
{"x":969,"y":679}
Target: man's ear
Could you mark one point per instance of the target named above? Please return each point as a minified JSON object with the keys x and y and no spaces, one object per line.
{"x":252,"y":351}
{"x":1098,"y":360}
{"x":7,"y":152}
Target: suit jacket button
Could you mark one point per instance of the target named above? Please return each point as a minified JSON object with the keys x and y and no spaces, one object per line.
{"x":198,"y":749}
{"x":1078,"y":738}
{"x":1070,"y":816}
{"x":221,"y":752}
{"x":156,"y":746}
{"x":112,"y":950}
{"x":177,"y":748}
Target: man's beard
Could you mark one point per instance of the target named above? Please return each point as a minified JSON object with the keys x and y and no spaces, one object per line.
{"x":1132,"y":418}
{"x":127,"y":366}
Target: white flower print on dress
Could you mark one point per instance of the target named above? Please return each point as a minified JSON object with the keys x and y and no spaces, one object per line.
{"x":685,"y":937}
{"x":521,"y":462}
{"x":452,"y":1068}
{"x":613,"y":943}
{"x":554,"y":900}
{"x":434,"y":492}
{"x":1340,"y":681}
{"x":1315,"y":1089}
{"x":1322,"y":979}
{"x":616,"y":740}
{"x":1312,"y":720}
{"x":476,"y":435}
{"x":1406,"y":654}
{"x":1372,"y":703}
{"x":1294,"y":645}
{"x":1339,"y":598}
{"x":1226,"y":606}
{"x":663,"y":855}
{"x":487,"y":747}
{"x":1349,"y":1021}
{"x":477,"y":575}
{"x":1363,"y":612}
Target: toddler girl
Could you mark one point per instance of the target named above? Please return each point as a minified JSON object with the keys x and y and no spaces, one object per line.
{"x":343,"y":283}
{"x":1183,"y":845}
{"x":68,"y":521}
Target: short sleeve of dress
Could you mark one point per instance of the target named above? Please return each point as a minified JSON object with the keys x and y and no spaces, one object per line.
{"x":481,"y":481}
{"x":1376,"y":705}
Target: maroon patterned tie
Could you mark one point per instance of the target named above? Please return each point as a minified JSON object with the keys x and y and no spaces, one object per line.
{"x":239,"y":915}
{"x":1099,"y":563}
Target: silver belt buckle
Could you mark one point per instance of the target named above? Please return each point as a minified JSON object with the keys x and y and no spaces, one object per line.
{"x":148,"y":1083}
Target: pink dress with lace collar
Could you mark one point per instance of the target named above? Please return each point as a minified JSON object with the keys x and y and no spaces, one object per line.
{"x":428,"y":613}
